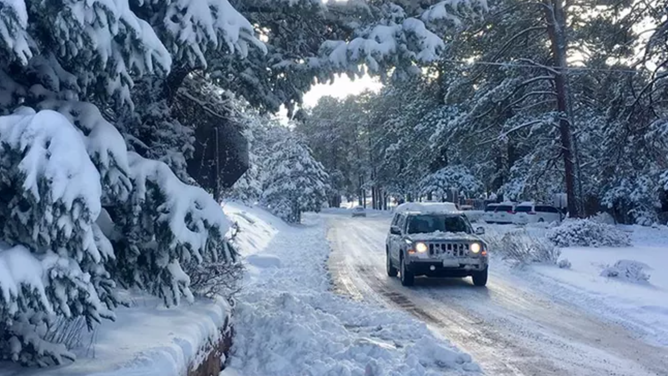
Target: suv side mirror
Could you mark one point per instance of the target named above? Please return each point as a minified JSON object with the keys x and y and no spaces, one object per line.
{"x":480,"y":231}
{"x":394,"y":230}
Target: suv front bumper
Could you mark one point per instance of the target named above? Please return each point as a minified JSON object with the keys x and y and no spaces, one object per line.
{"x":437,"y":268}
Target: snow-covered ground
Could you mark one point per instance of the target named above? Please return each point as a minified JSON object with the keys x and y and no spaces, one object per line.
{"x":522,"y":323}
{"x":288,"y":321}
{"x":641,"y":306}
{"x":146,"y":339}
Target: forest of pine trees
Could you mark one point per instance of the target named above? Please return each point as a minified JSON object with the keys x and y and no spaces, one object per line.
{"x":537,"y":98}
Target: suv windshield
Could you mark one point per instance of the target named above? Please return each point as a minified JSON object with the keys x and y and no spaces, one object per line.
{"x":427,"y":223}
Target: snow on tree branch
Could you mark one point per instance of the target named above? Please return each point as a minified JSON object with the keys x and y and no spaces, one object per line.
{"x":398,"y":36}
{"x":191,"y":28}
{"x":13,"y":30}
{"x":104,"y":144}
{"x":449,"y":178}
{"x":167,"y":225}
{"x":53,"y":175}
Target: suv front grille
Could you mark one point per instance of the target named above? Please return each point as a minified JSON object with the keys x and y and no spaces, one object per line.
{"x":455,"y":249}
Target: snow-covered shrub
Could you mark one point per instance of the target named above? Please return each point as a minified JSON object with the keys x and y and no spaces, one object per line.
{"x":520,"y":247}
{"x":587,"y":233}
{"x":629,"y":270}
{"x":218,"y":278}
{"x":564,"y":264}
{"x":492,"y":238}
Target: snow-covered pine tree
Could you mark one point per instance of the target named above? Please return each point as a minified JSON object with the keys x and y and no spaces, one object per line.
{"x":79,"y":214}
{"x":451,"y":179}
{"x":248,"y":188}
{"x":294,"y":181}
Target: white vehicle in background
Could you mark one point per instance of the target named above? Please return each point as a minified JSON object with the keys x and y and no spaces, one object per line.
{"x":488,"y":215}
{"x":528,"y":212}
{"x":504,"y":213}
{"x":359,"y":211}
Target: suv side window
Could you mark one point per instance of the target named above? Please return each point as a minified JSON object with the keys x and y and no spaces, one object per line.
{"x":395,"y":219}
{"x":401,"y":223}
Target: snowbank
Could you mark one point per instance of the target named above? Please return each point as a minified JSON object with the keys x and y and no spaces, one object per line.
{"x":146,"y":339}
{"x":288,"y":322}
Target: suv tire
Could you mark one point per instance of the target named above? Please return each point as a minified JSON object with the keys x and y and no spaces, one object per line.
{"x":407,"y":278}
{"x":480,"y":278}
{"x":391,"y":270}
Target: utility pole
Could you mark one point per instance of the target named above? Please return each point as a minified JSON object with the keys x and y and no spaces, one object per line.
{"x":556,"y":28}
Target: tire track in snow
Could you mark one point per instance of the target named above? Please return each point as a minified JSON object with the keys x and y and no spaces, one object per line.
{"x":509,"y":331}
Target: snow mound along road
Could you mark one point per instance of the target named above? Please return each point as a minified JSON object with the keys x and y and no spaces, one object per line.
{"x":628,"y":270}
{"x":280,"y":333}
{"x":288,"y":322}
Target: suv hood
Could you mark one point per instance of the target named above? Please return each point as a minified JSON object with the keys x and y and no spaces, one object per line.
{"x":444,"y":236}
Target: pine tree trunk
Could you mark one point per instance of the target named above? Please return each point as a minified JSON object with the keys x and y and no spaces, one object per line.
{"x":556,"y":23}
{"x":373,"y":197}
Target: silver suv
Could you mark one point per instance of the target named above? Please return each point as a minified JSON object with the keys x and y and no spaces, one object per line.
{"x":435,"y":240}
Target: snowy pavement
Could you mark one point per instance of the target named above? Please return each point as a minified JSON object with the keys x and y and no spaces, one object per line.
{"x":524,"y":323}
{"x":289,"y":322}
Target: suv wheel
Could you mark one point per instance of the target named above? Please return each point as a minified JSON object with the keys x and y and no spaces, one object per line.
{"x":480,"y":278}
{"x":391,"y":270}
{"x":407,"y":278}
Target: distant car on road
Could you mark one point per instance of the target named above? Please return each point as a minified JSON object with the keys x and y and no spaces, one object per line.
{"x":434,"y":240}
{"x":528,"y":212}
{"x":488,"y":216}
{"x":359,"y":211}
{"x":504,"y":214}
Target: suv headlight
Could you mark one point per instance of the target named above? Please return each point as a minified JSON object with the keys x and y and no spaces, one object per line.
{"x":475,"y":248}
{"x":421,"y":247}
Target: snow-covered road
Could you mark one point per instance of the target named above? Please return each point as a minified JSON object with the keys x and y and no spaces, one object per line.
{"x":509,"y":328}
